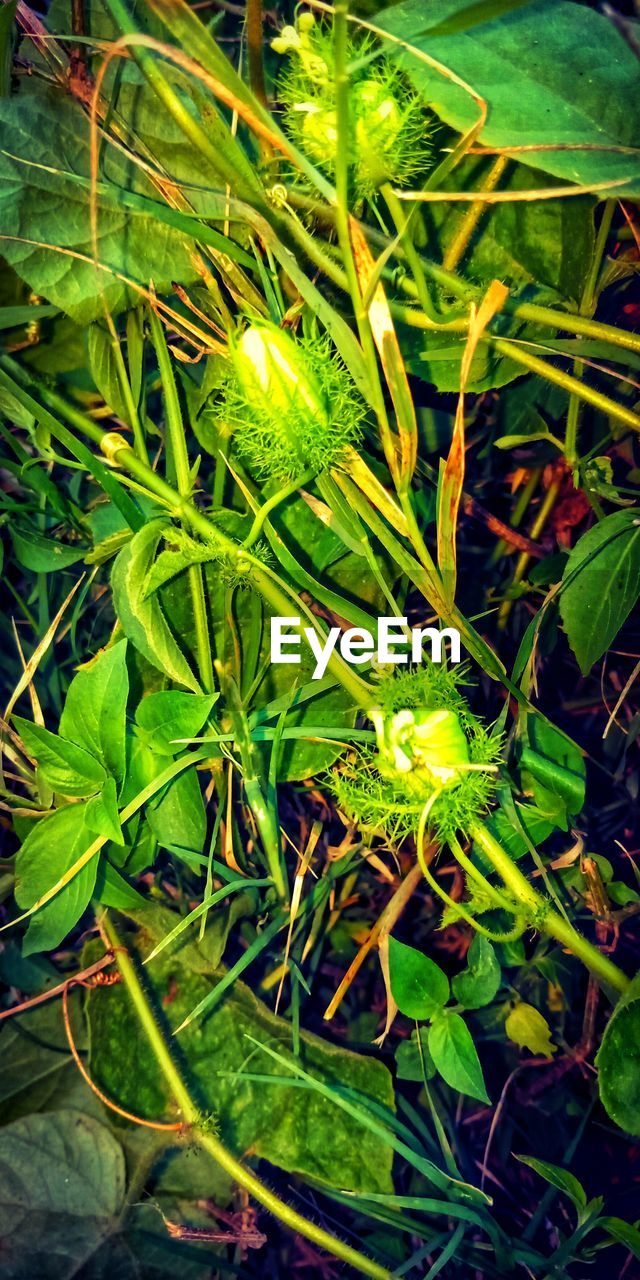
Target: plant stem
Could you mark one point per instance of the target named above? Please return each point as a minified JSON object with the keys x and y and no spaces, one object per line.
{"x":240,"y":1174}
{"x":587,"y":307}
{"x":277,"y":594}
{"x":179,"y":459}
{"x":468,"y":223}
{"x":565,"y":380}
{"x":402,"y":225}
{"x":524,"y":558}
{"x":254,"y":45}
{"x":543,"y":916}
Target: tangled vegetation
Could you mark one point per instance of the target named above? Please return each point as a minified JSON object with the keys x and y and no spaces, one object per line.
{"x":321,"y":550}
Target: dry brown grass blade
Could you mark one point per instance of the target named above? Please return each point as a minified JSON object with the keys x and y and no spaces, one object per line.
{"x":452,"y":473}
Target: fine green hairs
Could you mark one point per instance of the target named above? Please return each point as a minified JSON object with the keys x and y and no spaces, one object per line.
{"x":389,"y":132}
{"x":290,"y":403}
{"x":433,"y":754}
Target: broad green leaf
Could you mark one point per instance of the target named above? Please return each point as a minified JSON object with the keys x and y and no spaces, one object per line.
{"x":479,"y":982}
{"x":601,"y":584}
{"x":288,"y":1125}
{"x":43,"y":555}
{"x":34,"y":1048}
{"x":112,"y":890}
{"x":413,"y":1060}
{"x":558,"y":1177}
{"x":94,"y":714}
{"x":536,"y":825}
{"x":102,"y":813}
{"x":418,"y":986}
{"x":169,"y":715}
{"x":62,"y":1176}
{"x":552,"y":770}
{"x":65,"y":767}
{"x":455,"y":1057}
{"x":177,"y":817}
{"x":553,"y":75}
{"x":143,"y":620}
{"x":104,"y":370}
{"x":44,"y":179}
{"x":618,"y":1062}
{"x":527,"y":1027}
{"x":52,"y":846}
{"x":536,"y":242}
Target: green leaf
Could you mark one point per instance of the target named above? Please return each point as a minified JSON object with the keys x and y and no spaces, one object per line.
{"x":553,"y":770}
{"x":618,"y":1062}
{"x":170,"y":715}
{"x":94,"y":715}
{"x":34,"y":1048}
{"x":102,"y":813}
{"x":62,"y":1176}
{"x":40,"y":554}
{"x":455,"y":1057}
{"x":65,"y":767}
{"x":413,"y":1060}
{"x":527,"y":1027}
{"x":177,"y":817}
{"x":622,"y":1232}
{"x":558,"y":1177}
{"x":280,"y":1121}
{"x":104,"y":370}
{"x":536,"y":242}
{"x":601,"y":584}
{"x":45,"y":200}
{"x":143,"y":620}
{"x":418,"y":986}
{"x":519,"y":64}
{"x":479,"y":983}
{"x":52,"y":846}
{"x":112,"y":890}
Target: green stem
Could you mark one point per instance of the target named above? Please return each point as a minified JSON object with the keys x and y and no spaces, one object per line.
{"x":343,"y":151}
{"x":179,"y":459}
{"x":237,"y":1171}
{"x":277,"y":594}
{"x":127,"y":394}
{"x":458,"y":245}
{"x":402,"y":226}
{"x":450,"y":902}
{"x":587,"y":307}
{"x":270,"y":505}
{"x":565,"y":380}
{"x":542,"y":915}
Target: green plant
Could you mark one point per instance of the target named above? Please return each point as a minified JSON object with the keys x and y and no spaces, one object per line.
{"x":349,"y":337}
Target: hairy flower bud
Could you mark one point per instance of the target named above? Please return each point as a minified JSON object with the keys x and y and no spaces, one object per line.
{"x":389,"y":135}
{"x":424,"y":739}
{"x":290,"y":403}
{"x":272,"y":368}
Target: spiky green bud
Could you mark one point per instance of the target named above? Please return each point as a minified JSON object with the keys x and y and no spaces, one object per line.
{"x":290,"y":403}
{"x":389,"y":134}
